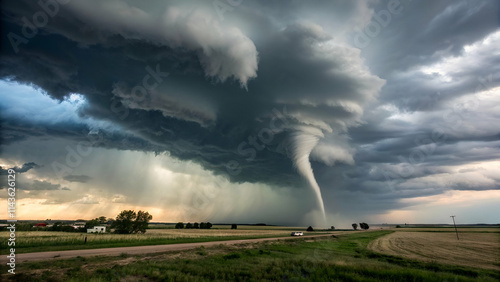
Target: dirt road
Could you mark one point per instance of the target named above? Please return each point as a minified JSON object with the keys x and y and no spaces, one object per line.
{"x":140,"y":249}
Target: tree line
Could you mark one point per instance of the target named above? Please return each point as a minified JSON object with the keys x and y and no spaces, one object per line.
{"x":202,"y":225}
{"x":362,"y":225}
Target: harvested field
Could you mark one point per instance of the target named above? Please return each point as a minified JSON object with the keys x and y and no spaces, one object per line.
{"x":473,"y":249}
{"x":451,"y":229}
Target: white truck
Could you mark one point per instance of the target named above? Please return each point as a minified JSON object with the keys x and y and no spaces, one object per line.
{"x":297,"y":233}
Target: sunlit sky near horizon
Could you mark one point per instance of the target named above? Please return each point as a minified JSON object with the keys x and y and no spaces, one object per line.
{"x":284,"y":112}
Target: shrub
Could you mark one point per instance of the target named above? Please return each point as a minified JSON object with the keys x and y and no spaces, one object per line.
{"x":179,"y":225}
{"x":232,"y":256}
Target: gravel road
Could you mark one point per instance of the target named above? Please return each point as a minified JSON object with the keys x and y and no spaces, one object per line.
{"x":139,"y":249}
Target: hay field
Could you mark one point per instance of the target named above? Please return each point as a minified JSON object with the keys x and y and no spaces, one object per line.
{"x":450,"y":229}
{"x":480,"y":249}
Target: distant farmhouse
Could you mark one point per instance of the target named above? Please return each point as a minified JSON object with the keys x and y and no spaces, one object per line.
{"x":97,"y":229}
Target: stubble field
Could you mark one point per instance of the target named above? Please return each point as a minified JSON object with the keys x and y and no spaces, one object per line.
{"x":476,"y":248}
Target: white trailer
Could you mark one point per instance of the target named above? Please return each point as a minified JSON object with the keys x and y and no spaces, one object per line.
{"x":97,"y":229}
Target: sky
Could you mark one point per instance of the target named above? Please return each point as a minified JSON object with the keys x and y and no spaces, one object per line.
{"x":233,"y":111}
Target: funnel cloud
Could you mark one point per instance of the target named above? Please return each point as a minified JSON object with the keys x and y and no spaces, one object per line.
{"x":302,"y":143}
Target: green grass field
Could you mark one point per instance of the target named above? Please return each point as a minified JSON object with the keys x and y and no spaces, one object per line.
{"x":342,"y":258}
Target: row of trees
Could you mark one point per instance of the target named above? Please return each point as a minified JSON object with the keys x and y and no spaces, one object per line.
{"x":28,"y":226}
{"x":203,"y":225}
{"x":362,"y":225}
{"x":128,"y":221}
{"x":102,"y":220}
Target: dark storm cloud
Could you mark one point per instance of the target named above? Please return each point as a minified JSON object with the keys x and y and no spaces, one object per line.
{"x":24,"y":168}
{"x":423,"y":33}
{"x":77,"y":178}
{"x":300,"y":70}
{"x":432,"y":116}
{"x":19,"y":170}
{"x":271,"y":71}
{"x":41,"y":185}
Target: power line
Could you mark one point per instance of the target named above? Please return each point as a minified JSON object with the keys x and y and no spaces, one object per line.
{"x":456,"y":231}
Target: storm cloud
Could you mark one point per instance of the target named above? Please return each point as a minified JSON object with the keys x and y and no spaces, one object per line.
{"x":77,"y":178}
{"x":24,"y":168}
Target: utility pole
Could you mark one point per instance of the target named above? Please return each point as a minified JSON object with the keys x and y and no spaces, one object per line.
{"x":456,"y":231}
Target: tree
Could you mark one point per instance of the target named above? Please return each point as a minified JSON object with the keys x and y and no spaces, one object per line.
{"x":310,"y":229}
{"x":59,"y":226}
{"x":128,"y":221}
{"x":206,"y":225}
{"x":355,"y":226}
{"x":196,"y":225}
{"x":94,"y":222}
{"x":189,"y":225}
{"x":56,"y":226}
{"x":332,"y":227}
{"x":234,"y":226}
{"x":364,"y":226}
{"x":91,"y":223}
{"x":141,"y":222}
{"x":124,"y":223}
{"x":179,"y":225}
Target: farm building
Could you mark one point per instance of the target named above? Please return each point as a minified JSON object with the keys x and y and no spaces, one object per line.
{"x":97,"y":229}
{"x":40,"y":225}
